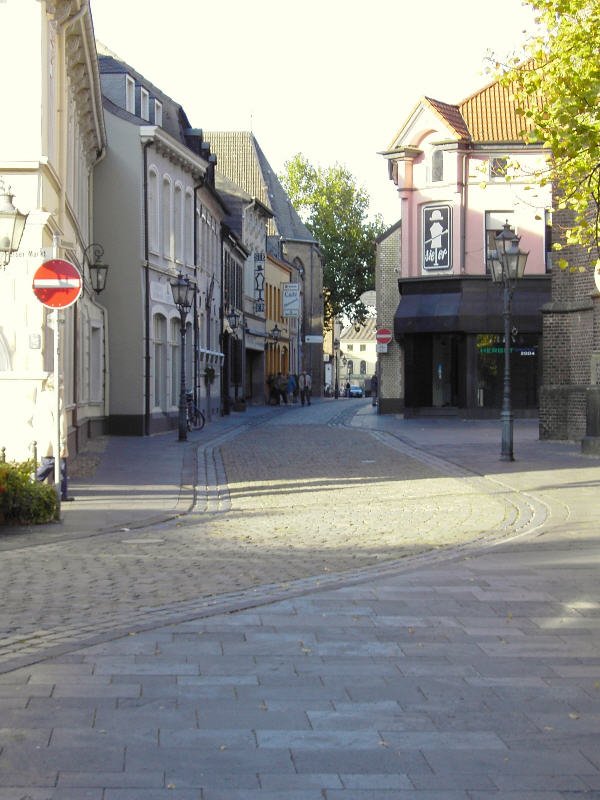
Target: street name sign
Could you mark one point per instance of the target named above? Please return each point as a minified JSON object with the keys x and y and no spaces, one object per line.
{"x":57,"y":283}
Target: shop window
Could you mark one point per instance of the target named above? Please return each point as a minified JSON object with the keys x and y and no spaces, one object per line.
{"x":524,"y":365}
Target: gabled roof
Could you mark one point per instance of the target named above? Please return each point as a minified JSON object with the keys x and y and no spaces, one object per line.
{"x":488,"y":115}
{"x":241,"y":159}
{"x":451,"y":116}
{"x":365,"y":332}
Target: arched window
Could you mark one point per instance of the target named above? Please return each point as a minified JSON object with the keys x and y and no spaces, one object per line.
{"x":350,"y":367}
{"x":363,"y":367}
{"x":188,"y":229}
{"x":160,"y":362}
{"x":153,"y":211}
{"x":174,"y":341}
{"x":178,"y":223}
{"x":166,"y":220}
{"x":437,"y":166}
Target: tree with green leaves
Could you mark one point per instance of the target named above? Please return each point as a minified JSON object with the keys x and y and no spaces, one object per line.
{"x":335,"y":210}
{"x":557,"y":88}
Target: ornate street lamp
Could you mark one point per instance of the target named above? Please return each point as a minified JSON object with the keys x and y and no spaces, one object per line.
{"x":233,"y":318}
{"x":507,"y":266}
{"x":275,"y":333}
{"x":12,"y":225}
{"x":183,"y":294}
{"x":98,"y":270}
{"x":336,"y":384}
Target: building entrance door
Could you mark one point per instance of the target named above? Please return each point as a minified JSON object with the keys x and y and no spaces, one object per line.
{"x":443,"y":371}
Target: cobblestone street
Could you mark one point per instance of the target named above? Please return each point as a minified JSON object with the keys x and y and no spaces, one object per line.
{"x":294,"y":496}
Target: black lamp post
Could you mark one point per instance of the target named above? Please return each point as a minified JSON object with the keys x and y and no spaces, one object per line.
{"x":275,"y":333}
{"x":336,"y":385}
{"x":183,"y":293}
{"x":98,"y":269}
{"x":12,"y":225}
{"x":507,"y":265}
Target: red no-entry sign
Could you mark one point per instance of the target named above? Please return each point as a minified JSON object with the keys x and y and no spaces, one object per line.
{"x":383,"y":336}
{"x":57,"y":283}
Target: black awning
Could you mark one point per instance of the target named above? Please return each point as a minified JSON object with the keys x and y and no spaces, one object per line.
{"x":468,"y":305}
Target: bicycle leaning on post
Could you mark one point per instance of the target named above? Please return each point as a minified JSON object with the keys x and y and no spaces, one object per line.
{"x":195,"y":417}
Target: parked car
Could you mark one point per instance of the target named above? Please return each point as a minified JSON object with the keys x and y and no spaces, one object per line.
{"x":356,"y":391}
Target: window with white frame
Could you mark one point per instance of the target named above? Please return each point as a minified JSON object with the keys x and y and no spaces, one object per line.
{"x":158,"y":115}
{"x":178,"y":223}
{"x":498,"y":167}
{"x":174,"y":343}
{"x":188,"y":228}
{"x":437,"y":166}
{"x":144,"y":104}
{"x":95,"y":391}
{"x":153,"y":210}
{"x":160,"y":361}
{"x":129,"y":94}
{"x":165,"y":215}
{"x":494,"y":224}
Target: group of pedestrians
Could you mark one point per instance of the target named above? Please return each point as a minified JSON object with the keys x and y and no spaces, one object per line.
{"x":288,"y":388}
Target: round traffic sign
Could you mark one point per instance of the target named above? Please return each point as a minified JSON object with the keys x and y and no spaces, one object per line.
{"x":57,"y":283}
{"x":383,"y":336}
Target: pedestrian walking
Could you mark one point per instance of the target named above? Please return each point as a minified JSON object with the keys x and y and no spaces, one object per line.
{"x":374,"y":387}
{"x":305,"y":384}
{"x":291,"y":388}
{"x":347,"y":388}
{"x":281,"y":383}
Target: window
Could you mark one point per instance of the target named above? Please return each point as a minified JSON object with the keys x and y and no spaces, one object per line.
{"x":153,"y":210}
{"x":498,"y":167}
{"x":129,"y":94}
{"x":95,"y":390}
{"x":350,"y":346}
{"x":144,"y":104}
{"x":160,"y":361}
{"x":548,"y":240}
{"x":175,"y":361}
{"x":350,"y":367}
{"x":494,"y":224}
{"x":362,"y":347}
{"x":363,"y":367}
{"x":437,"y":166}
{"x":157,"y":112}
{"x":166,"y":226}
{"x":178,"y":223}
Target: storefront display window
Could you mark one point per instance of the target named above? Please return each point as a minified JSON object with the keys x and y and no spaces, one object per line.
{"x":524,"y":365}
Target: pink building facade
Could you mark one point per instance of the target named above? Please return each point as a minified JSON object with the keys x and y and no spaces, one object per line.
{"x":462,"y":172}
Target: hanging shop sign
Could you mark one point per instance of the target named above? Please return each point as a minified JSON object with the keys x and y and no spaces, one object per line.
{"x":437,"y":237}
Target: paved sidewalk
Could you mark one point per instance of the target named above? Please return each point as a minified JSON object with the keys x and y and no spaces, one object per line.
{"x":464,"y":675}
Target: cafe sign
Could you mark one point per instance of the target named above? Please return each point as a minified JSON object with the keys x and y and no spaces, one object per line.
{"x":437,"y":237}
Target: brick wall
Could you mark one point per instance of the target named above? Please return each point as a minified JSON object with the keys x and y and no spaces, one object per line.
{"x":390,"y":364}
{"x":571,"y":342}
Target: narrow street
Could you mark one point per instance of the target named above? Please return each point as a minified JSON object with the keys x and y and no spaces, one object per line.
{"x":354,"y":607}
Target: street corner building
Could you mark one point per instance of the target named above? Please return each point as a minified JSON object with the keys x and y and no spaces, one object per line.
{"x":463,"y":174}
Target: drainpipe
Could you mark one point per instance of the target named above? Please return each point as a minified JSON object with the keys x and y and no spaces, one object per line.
{"x":145,"y":147}
{"x":464,"y":189}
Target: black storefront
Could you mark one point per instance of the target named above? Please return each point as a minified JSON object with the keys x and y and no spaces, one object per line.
{"x":451,"y":332}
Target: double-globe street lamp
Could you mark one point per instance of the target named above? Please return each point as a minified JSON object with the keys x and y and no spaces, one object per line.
{"x":12,"y":225}
{"x":507,"y":266}
{"x":183,"y":295}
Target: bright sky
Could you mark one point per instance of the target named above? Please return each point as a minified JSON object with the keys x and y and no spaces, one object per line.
{"x":332,"y":79}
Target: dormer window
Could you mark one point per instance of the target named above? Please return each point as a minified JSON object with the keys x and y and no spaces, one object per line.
{"x":129,"y":94}
{"x":158,"y":112}
{"x":144,"y":104}
{"x":437,"y":166}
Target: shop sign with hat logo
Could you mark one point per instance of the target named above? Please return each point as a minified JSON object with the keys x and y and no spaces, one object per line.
{"x":437,"y":237}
